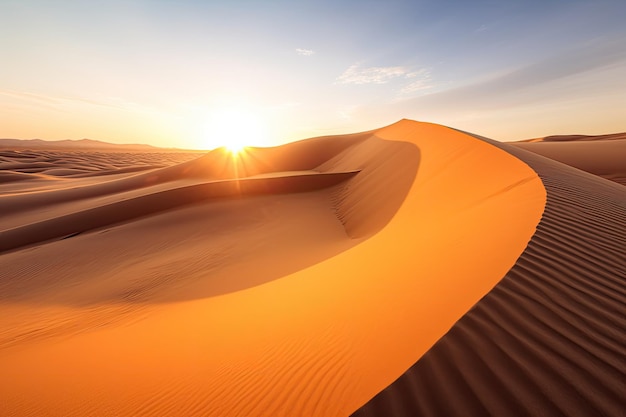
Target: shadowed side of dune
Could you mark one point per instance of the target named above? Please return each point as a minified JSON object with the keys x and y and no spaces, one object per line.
{"x":10,"y":176}
{"x":548,"y":339}
{"x":201,"y":253}
{"x":366,"y":203}
{"x":125,"y":210}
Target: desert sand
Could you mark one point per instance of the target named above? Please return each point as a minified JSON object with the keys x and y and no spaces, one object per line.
{"x":602,"y":155}
{"x":409,"y":270}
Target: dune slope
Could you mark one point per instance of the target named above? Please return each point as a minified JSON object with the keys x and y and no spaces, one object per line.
{"x":548,"y":339}
{"x":299,"y":300}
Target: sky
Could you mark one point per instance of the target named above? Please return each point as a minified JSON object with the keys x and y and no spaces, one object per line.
{"x":197,"y":74}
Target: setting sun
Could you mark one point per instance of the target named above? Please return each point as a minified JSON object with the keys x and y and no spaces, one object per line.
{"x":234,"y":129}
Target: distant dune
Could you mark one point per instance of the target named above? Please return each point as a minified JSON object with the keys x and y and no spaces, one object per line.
{"x":578,"y":138}
{"x":412,"y":270}
{"x":80,"y":144}
{"x":45,"y":164}
{"x":602,"y":155}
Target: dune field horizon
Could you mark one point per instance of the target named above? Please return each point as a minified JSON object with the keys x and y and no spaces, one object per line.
{"x":409,"y":270}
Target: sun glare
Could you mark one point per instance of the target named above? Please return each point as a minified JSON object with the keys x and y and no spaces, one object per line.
{"x":234,"y":129}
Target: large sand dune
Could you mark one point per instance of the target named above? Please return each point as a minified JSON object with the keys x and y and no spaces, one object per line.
{"x":304,"y":280}
{"x":548,"y":340}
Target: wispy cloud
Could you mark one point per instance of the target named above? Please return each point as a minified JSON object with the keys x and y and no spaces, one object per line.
{"x":23,"y":95}
{"x":305,"y":52}
{"x":69,"y":103}
{"x":371,"y":75}
{"x":418,"y":80}
{"x":564,"y":76}
{"x":422,"y":80}
{"x":48,"y":99}
{"x":541,"y":81}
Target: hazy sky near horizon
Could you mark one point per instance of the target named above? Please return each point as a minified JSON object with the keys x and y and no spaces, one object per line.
{"x":166,"y":72}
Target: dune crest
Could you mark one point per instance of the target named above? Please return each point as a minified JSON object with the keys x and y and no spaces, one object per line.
{"x":303,"y":300}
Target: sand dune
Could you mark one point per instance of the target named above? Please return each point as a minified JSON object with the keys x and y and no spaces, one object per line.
{"x":602,"y":155}
{"x":547,"y":340}
{"x":88,"y":220}
{"x":578,"y":138}
{"x":304,"y":280}
{"x":78,"y":145}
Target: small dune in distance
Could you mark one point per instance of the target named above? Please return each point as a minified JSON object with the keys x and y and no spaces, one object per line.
{"x":80,"y":144}
{"x":410,"y":270}
{"x":602,"y":155}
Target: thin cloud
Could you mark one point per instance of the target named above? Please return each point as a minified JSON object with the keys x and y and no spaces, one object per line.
{"x":414,"y":87}
{"x":422,"y":81}
{"x":535,"y":81}
{"x":372,"y":75}
{"x":305,"y":52}
{"x":65,"y":103}
{"x":23,"y":95}
{"x":573,"y":80}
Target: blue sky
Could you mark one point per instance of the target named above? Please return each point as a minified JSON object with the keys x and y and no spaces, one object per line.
{"x":163,"y":72}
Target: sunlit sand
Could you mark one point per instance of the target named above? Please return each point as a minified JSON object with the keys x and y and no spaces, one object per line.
{"x":300,"y":280}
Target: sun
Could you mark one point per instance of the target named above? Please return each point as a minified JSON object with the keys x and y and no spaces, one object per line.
{"x":234,"y":129}
{"x":235,"y":148}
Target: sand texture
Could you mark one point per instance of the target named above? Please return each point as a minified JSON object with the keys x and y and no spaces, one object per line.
{"x":548,"y":340}
{"x":410,"y":270}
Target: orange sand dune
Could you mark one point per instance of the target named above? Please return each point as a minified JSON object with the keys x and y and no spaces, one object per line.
{"x":547,"y":340}
{"x":292,"y":281}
